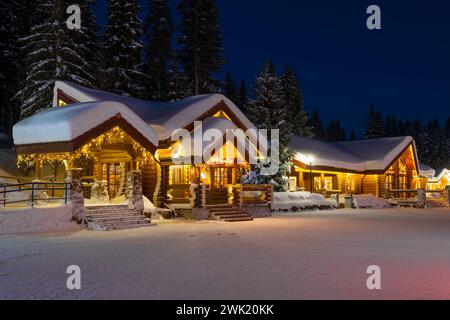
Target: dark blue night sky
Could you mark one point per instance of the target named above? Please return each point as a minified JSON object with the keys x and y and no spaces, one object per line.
{"x":404,"y":69}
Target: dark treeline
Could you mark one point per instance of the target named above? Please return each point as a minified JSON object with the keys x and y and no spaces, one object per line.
{"x":432,"y":139}
{"x":130,"y":57}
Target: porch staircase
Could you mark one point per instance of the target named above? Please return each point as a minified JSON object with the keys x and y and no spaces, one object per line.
{"x":228,"y":214}
{"x":111,"y":218}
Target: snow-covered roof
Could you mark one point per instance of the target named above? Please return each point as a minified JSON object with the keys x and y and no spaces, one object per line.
{"x":440,"y":176}
{"x":360,"y":156}
{"x":426,"y":171}
{"x":65,"y":124}
{"x":164,"y":117}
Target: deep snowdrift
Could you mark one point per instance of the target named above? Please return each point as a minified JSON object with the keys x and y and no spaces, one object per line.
{"x":295,"y":201}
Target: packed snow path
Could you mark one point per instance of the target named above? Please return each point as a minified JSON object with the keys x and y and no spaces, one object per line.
{"x":319,"y":255}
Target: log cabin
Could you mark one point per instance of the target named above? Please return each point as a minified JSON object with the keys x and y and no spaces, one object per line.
{"x":376,"y":166}
{"x":107,"y":135}
{"x":439,"y":182}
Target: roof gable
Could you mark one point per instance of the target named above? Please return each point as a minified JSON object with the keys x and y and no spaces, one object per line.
{"x":164,"y":117}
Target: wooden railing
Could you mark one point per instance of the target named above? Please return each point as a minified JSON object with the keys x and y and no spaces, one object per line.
{"x":51,"y":189}
{"x":263,"y":194}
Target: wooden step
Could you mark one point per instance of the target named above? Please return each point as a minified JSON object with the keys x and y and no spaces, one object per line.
{"x":127,"y":227}
{"x":248,"y":218}
{"x":227,"y":213}
{"x":226,"y":209}
{"x":110,"y":218}
{"x":106,"y":207}
{"x":232,"y":216}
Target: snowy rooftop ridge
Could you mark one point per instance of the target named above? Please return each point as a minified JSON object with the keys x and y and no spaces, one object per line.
{"x":164,"y":117}
{"x":360,"y":155}
{"x":440,"y":176}
{"x":65,"y":124}
{"x":426,"y":171}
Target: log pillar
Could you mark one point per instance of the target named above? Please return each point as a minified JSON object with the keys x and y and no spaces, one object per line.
{"x":76,"y":197}
{"x":39,"y":169}
{"x":134,"y":191}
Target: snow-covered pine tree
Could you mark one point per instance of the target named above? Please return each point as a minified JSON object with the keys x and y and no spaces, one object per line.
{"x":269,"y":112}
{"x":293,"y":99}
{"x":316,"y":125}
{"x":201,"y":44}
{"x":121,"y":52}
{"x":375,"y":127}
{"x":9,"y":62}
{"x":54,"y":52}
{"x":230,"y":89}
{"x":178,"y":86}
{"x":158,"y":29}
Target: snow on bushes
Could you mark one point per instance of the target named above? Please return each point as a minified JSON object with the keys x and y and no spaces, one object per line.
{"x":301,"y":201}
{"x":370,"y":201}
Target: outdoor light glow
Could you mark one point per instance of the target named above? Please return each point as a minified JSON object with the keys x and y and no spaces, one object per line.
{"x":305,"y":158}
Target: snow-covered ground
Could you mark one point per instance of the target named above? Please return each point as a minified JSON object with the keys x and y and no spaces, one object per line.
{"x":312,"y":256}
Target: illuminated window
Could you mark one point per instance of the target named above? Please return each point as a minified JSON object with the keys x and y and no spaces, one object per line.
{"x":328,"y":183}
{"x":181,"y":174}
{"x":350,"y":183}
{"x":292,"y":184}
{"x":61,"y":103}
{"x":317,"y":183}
{"x":222,"y":114}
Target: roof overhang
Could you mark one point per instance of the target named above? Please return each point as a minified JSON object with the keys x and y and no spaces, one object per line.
{"x":77,"y":143}
{"x":374,"y":171}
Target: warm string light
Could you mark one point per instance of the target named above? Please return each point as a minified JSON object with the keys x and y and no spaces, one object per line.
{"x":114,"y":135}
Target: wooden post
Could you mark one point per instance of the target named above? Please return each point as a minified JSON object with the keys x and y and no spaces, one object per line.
{"x":32,"y":194}
{"x":322,"y":180}
{"x":4,"y":195}
{"x":38,"y":168}
{"x":301,"y":181}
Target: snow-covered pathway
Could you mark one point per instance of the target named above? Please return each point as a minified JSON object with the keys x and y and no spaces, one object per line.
{"x":316,"y":256}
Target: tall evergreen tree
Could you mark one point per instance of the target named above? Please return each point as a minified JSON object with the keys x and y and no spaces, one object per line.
{"x":121,"y":50}
{"x":269,"y":112}
{"x":318,"y":130}
{"x":230,"y":89}
{"x":435,"y":147}
{"x":293,"y":99}
{"x":375,"y":127}
{"x":158,"y":29}
{"x":9,"y":61}
{"x":178,"y":86}
{"x":55,"y":52}
{"x":243,"y":102}
{"x":201,"y":44}
{"x":407,"y":128}
{"x":391,"y":126}
{"x":447,"y":128}
{"x":352,"y":136}
{"x":335,"y":132}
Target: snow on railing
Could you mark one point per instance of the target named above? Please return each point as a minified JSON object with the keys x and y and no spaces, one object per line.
{"x":34,"y":193}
